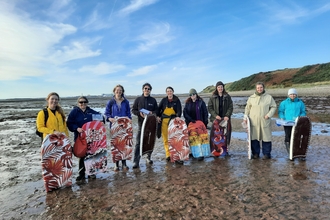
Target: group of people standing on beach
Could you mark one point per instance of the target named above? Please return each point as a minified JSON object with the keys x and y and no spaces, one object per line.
{"x":260,"y":108}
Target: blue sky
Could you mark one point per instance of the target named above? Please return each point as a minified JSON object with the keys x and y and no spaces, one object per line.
{"x":88,"y":47}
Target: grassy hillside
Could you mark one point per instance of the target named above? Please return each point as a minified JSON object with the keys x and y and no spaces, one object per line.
{"x":311,"y":75}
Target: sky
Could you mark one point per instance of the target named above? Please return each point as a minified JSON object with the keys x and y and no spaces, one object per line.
{"x":88,"y":47}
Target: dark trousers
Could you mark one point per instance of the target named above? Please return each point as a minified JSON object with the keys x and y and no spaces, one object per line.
{"x":287,"y":131}
{"x":137,"y":147}
{"x":266,"y":147}
{"x":82,"y":167}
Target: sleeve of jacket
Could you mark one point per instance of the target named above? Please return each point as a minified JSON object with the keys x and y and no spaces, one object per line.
{"x":185,"y":113}
{"x":210,"y":107}
{"x":272,"y":108}
{"x":72,"y":126}
{"x":41,"y":127}
{"x":160,"y":108}
{"x":205,"y":114}
{"x":179,"y":112}
{"x":302,"y":109}
{"x":135,"y":107}
{"x":108,"y":110}
{"x":247,"y":107}
{"x":281,"y":110}
{"x":128,"y":109}
{"x":155,"y":111}
{"x":230,"y":107}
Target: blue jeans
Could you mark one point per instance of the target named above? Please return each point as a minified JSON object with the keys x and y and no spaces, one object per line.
{"x":266,"y":147}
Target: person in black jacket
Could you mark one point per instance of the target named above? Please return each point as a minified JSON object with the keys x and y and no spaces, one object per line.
{"x":195,"y":109}
{"x":149,"y":103}
{"x":169,"y":107}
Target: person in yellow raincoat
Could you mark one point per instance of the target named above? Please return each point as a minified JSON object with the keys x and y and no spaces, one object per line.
{"x":55,"y":123}
{"x":169,"y":107}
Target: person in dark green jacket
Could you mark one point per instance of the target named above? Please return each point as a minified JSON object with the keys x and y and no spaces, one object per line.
{"x":220,"y":106}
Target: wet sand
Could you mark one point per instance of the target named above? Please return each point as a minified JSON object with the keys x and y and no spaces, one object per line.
{"x":216,"y":188}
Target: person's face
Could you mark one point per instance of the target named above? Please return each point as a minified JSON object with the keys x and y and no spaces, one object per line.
{"x":53,"y":102}
{"x":259,"y":88}
{"x":118,"y":91}
{"x":82,"y":103}
{"x":169,"y":93}
{"x":220,"y":89}
{"x":292,"y":96}
{"x":193,"y":96}
{"x":146,"y":90}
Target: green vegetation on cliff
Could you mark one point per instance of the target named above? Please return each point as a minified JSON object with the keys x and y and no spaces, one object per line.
{"x":307,"y":75}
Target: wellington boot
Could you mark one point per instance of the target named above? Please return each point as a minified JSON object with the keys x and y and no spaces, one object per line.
{"x":287,"y":146}
{"x":149,"y":161}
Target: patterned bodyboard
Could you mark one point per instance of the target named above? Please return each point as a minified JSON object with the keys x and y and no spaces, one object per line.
{"x":218,"y":137}
{"x":198,"y":139}
{"x":178,"y":140}
{"x":56,"y":161}
{"x":121,"y":139}
{"x":300,"y":137}
{"x":148,"y":134}
{"x":96,"y":159}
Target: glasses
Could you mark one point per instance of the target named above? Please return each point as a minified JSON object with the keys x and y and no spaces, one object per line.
{"x":146,"y":88}
{"x":192,"y":94}
{"x":83,"y":102}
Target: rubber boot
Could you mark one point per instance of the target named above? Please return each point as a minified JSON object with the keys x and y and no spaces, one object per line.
{"x":149,"y":160}
{"x":136,"y":162}
{"x":287,"y":146}
{"x":116,"y":166}
{"x":125,"y":167}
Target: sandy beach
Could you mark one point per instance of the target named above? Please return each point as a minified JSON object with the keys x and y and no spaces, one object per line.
{"x":216,"y":188}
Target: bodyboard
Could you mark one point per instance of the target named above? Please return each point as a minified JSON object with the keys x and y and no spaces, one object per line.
{"x":198,"y":139}
{"x":96,"y":163}
{"x":121,"y":141}
{"x":218,"y":137}
{"x":178,"y":140}
{"x":96,"y":147}
{"x":56,"y":161}
{"x":148,"y":134}
{"x":300,"y":137}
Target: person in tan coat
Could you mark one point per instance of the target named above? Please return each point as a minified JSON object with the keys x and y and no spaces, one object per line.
{"x":260,"y":107}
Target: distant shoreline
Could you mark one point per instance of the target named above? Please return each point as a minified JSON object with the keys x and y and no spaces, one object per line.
{"x":317,"y":91}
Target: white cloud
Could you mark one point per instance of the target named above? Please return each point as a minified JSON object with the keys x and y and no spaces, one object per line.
{"x":25,"y":43}
{"x":96,"y":22}
{"x":102,"y":68}
{"x":142,"y":71}
{"x":136,"y":5}
{"x":77,"y":49}
{"x":154,"y":36}
{"x":60,"y":10}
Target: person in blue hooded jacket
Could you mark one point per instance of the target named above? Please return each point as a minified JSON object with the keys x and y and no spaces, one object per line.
{"x":78,"y":116}
{"x":118,"y":106}
{"x":290,"y":109}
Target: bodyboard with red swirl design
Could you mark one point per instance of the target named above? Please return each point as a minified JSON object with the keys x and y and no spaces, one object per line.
{"x":178,"y":140}
{"x":218,"y":137}
{"x":121,"y":133}
{"x":56,"y":161}
{"x":148,"y":134}
{"x":300,"y":137}
{"x":96,"y":159}
{"x":198,"y":139}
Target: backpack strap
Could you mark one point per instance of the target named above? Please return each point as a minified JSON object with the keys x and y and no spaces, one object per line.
{"x":46,"y":115}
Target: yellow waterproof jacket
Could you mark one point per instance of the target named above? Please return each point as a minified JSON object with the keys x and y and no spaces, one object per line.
{"x":54,"y":123}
